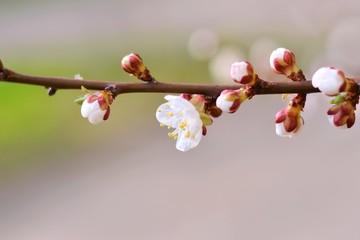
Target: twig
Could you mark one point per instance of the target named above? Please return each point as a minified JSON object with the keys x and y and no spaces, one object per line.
{"x":213,"y":90}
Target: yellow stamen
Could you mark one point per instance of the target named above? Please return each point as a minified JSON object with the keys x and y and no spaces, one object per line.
{"x":162,"y":124}
{"x":159,"y":110}
{"x":170,"y":114}
{"x":187,"y":135}
{"x":173,"y":135}
{"x":183,"y":125}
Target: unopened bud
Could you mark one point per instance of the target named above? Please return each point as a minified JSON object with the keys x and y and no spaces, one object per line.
{"x":134,"y":65}
{"x":283,"y":61}
{"x":230,"y":100}
{"x":342,"y":115}
{"x":288,"y":121}
{"x":329,"y":80}
{"x":243,"y":72}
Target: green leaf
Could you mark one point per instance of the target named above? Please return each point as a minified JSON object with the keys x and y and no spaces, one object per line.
{"x":80,"y":100}
{"x":338,"y":99}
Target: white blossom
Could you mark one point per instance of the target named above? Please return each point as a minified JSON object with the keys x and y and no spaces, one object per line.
{"x":180,"y":114}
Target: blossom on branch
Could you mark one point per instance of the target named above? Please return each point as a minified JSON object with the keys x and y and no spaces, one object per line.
{"x":182,"y":115}
{"x":96,"y":106}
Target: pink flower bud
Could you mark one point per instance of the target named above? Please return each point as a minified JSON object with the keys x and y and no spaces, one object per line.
{"x":283,"y":61}
{"x":243,"y":72}
{"x":230,"y":100}
{"x":96,"y":106}
{"x":288,"y":122}
{"x":342,"y":115}
{"x":134,"y":65}
{"x":329,"y":80}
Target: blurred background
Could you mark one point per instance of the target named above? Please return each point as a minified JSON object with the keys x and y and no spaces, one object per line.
{"x":63,"y":178}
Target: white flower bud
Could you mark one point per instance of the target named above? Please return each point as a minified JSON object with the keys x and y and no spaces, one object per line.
{"x":96,"y":106}
{"x":229,"y":100}
{"x":283,"y":61}
{"x":330,"y":81}
{"x":243,"y":72}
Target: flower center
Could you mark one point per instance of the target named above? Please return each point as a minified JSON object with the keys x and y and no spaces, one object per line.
{"x":181,"y":127}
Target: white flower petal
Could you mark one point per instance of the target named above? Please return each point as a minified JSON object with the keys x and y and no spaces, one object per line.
{"x":85,"y":109}
{"x":171,"y":113}
{"x":185,"y":143}
{"x":97,"y":117}
{"x":165,"y":114}
{"x":93,"y":112}
{"x":190,"y":137}
{"x":280,"y":130}
{"x":178,"y":103}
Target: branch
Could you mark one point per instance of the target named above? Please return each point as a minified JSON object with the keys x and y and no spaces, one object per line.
{"x":214,"y":90}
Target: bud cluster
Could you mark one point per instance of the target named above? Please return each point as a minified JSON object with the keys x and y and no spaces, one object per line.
{"x":288,"y":121}
{"x":243,"y":73}
{"x":332,"y":82}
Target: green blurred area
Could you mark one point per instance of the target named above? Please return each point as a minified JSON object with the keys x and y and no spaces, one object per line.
{"x":37,"y":129}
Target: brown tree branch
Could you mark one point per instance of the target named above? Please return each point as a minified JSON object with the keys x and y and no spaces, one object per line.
{"x":213,"y":90}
